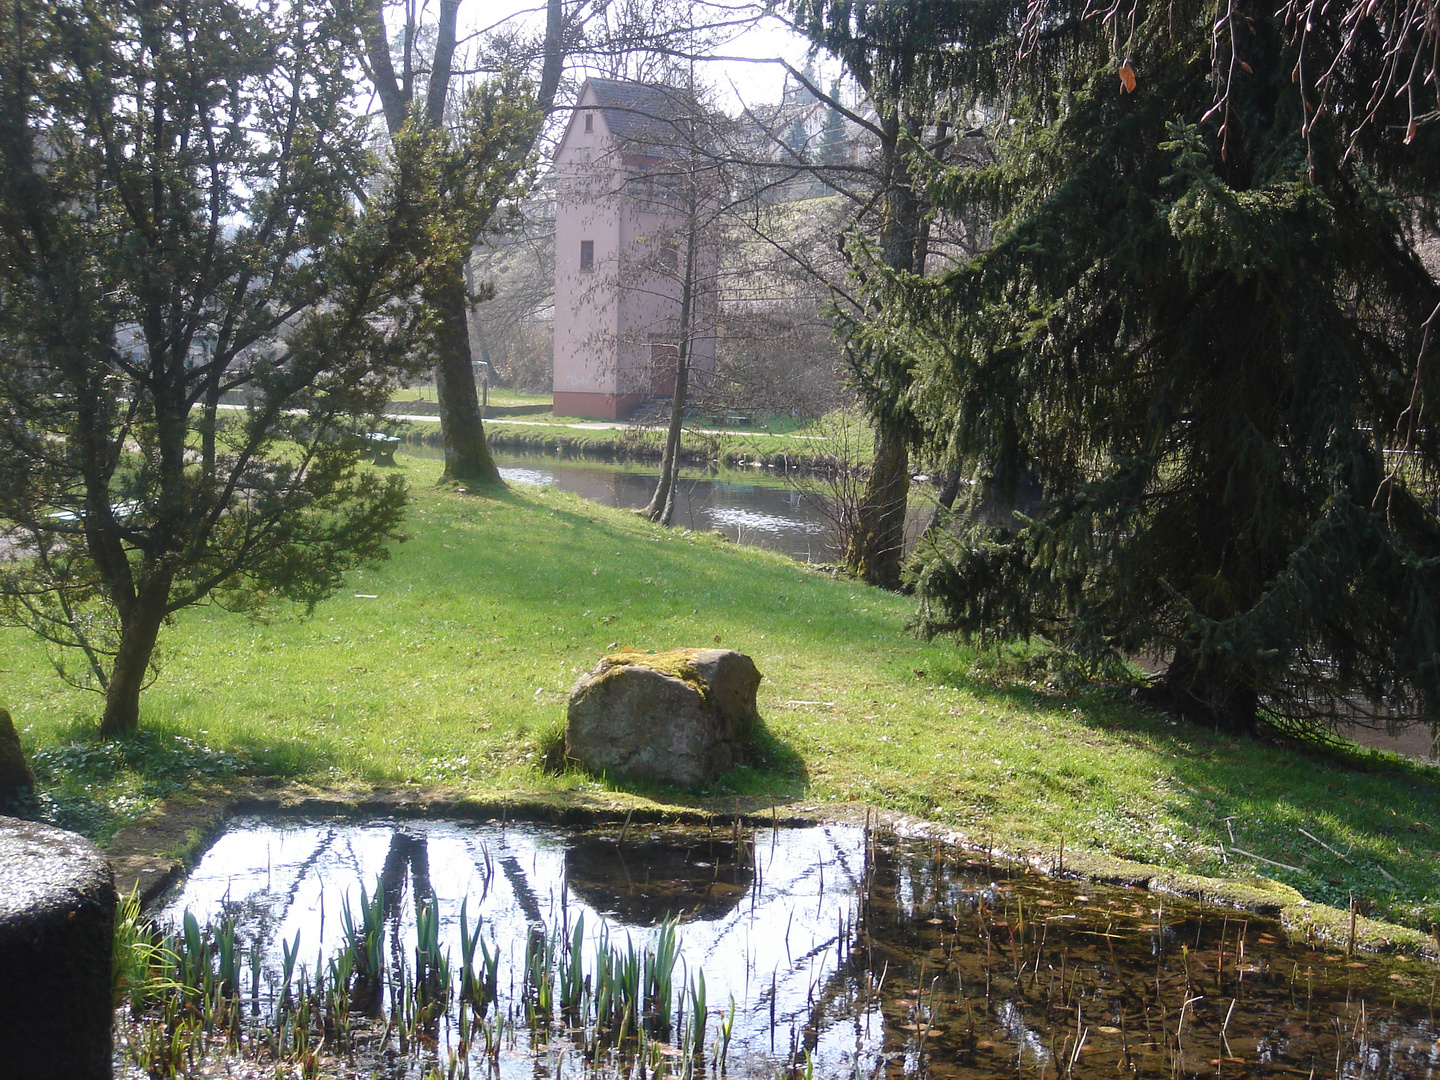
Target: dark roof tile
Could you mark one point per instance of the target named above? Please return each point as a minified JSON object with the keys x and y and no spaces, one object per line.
{"x":642,"y":112}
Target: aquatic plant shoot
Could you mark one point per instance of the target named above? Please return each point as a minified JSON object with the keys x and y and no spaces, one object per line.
{"x":444,"y":948}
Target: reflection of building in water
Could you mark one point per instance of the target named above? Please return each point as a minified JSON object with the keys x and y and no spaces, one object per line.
{"x":657,"y":875}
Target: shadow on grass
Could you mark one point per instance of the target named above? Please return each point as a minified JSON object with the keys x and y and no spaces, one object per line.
{"x":96,"y":786}
{"x":1333,"y":821}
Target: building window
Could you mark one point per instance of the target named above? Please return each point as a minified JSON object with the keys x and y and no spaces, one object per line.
{"x":587,"y":254}
{"x":589,"y":122}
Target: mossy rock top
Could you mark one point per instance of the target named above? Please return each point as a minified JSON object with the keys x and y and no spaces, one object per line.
{"x":676,"y":663}
{"x":679,"y":717}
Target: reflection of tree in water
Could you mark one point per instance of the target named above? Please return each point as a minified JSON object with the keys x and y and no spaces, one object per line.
{"x":258,"y":914}
{"x":412,"y":850}
{"x":948,"y":974}
{"x":649,"y":878}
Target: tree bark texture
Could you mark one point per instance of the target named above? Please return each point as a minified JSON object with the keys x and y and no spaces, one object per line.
{"x":877,"y":546}
{"x":661,"y":507}
{"x":1207,"y":694}
{"x":140,"y":626}
{"x":462,"y":432}
{"x":876,"y":551}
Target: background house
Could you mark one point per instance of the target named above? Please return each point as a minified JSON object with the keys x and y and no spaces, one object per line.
{"x":626,"y":206}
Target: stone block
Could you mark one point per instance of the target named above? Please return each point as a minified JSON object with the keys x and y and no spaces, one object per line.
{"x":57,"y":937}
{"x":680,"y":717}
{"x":16,"y":779}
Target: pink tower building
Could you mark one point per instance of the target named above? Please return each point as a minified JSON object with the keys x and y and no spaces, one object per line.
{"x":621,"y":228}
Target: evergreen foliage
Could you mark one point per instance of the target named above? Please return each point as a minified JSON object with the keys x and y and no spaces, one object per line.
{"x":886,"y":48}
{"x":178,"y":223}
{"x":1204,"y":330}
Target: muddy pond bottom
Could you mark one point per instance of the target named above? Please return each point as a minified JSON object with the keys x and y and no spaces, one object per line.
{"x":521,"y":950}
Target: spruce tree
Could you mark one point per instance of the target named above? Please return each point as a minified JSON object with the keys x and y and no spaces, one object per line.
{"x":1204,"y":331}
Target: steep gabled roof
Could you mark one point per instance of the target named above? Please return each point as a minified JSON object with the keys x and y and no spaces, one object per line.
{"x":643,"y":112}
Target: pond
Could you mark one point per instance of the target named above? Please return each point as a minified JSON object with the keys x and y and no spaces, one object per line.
{"x":846,"y":952}
{"x":769,"y":514}
{"x":762,"y":508}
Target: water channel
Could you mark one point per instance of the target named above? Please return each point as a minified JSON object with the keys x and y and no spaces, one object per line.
{"x":847,"y":953}
{"x":759,"y":507}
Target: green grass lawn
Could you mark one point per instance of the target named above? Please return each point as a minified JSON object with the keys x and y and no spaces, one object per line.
{"x":450,"y":665}
{"x":498,"y":395}
{"x":776,"y":439}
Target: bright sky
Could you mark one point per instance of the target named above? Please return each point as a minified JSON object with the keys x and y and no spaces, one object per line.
{"x":736,"y":73}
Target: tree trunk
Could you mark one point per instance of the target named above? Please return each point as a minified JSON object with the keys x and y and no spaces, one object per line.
{"x":661,"y":507}
{"x":670,"y":467}
{"x":875,"y":550}
{"x":945,"y":501}
{"x":467,"y":455}
{"x":140,"y":628}
{"x":1205,"y":692}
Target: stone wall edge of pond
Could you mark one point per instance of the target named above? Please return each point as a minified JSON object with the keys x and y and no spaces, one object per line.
{"x":155,"y":852}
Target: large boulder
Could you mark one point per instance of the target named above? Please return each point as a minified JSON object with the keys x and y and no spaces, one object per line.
{"x":57,"y":936}
{"x":680,"y":717}
{"x":16,"y":779}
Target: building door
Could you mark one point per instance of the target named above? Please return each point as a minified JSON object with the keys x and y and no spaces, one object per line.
{"x":664,"y":360}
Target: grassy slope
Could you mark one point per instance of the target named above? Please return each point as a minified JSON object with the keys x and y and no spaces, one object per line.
{"x":498,"y":395}
{"x":459,"y":668}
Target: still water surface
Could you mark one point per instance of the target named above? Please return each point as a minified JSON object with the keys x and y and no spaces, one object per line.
{"x":761,"y":510}
{"x":848,"y":953}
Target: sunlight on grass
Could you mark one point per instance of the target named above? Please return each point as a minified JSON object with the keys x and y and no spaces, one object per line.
{"x":451,"y":664}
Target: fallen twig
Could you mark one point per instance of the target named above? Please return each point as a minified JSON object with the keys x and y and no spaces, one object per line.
{"x":1272,"y":862}
{"x":1326,"y":846}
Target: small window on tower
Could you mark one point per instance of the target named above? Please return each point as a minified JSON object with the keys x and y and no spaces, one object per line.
{"x":587,"y":254}
{"x":589,"y":122}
